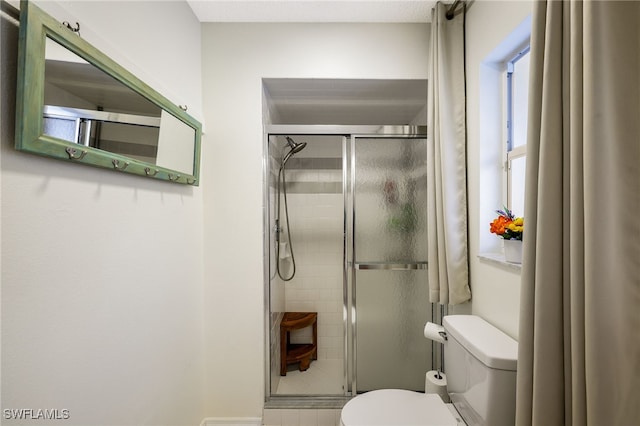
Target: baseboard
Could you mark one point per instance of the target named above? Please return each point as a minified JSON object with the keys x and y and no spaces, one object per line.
{"x":232,"y":421}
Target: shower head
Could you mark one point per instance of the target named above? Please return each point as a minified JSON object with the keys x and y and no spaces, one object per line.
{"x":295,"y":147}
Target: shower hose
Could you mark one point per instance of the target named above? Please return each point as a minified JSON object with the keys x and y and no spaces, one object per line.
{"x":281,"y":178}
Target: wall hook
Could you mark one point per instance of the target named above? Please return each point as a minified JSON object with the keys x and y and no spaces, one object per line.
{"x":75,"y":30}
{"x":150,"y":172}
{"x":183,"y":107}
{"x":117,"y":166}
{"x":173,"y":178}
{"x":191,"y":181}
{"x":73,"y":153}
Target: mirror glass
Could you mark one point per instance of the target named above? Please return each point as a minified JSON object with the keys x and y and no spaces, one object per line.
{"x":95,"y":110}
{"x":84,"y":105}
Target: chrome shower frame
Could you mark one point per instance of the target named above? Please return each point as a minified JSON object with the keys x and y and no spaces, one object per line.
{"x":349,"y":320}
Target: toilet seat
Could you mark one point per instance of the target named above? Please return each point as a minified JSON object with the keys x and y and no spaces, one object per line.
{"x":387,"y":407}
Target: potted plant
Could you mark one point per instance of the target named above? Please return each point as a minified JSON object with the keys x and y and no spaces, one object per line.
{"x":511,"y":229}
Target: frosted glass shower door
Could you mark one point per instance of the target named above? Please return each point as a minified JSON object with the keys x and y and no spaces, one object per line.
{"x":389,"y":258}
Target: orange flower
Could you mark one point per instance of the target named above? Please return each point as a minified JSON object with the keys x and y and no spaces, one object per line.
{"x":499,"y":225}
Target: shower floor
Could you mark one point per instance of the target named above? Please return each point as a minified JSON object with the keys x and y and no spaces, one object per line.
{"x":324,"y":377}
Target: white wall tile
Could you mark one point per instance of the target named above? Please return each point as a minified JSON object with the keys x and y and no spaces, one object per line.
{"x":317,"y":238}
{"x":272,"y":417}
{"x":302,"y":417}
{"x":326,"y":418}
{"x":290,"y":417}
{"x":309,"y":417}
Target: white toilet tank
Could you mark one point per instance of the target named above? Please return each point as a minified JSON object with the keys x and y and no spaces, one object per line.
{"x":480,"y":362}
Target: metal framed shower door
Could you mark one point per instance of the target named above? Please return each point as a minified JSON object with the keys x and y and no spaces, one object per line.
{"x":359,"y":266}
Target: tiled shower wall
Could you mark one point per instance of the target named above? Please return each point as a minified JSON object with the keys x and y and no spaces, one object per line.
{"x":316,"y":216}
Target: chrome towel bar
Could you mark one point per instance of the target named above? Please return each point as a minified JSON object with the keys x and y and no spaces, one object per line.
{"x":407,"y":266}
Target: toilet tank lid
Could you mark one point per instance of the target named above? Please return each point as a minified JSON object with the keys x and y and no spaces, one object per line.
{"x":491,"y":346}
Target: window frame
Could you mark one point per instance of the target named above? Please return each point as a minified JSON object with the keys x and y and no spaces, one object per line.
{"x":521,"y":150}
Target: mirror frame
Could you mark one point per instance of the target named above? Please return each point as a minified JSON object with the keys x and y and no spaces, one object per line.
{"x":35,"y":27}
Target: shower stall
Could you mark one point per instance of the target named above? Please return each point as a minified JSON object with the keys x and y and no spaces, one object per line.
{"x":345,"y":239}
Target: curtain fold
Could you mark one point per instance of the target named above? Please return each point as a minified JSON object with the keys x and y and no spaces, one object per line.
{"x":447,"y":182}
{"x":579,"y":340}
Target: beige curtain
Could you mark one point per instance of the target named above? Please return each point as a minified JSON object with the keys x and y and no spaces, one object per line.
{"x":447,"y":183}
{"x":579,"y":348}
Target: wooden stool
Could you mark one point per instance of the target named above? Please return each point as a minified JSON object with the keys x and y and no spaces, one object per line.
{"x":302,"y":353}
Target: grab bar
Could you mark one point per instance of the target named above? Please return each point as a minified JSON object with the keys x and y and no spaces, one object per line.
{"x":408,"y":266}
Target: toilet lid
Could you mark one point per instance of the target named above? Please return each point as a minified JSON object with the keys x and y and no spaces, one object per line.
{"x":396,"y":407}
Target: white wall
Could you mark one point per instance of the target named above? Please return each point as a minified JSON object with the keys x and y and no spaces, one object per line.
{"x":102,"y":272}
{"x":235,"y":59}
{"x":496,"y":289}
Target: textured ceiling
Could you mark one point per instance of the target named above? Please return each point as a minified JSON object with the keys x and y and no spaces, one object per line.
{"x":312,"y":10}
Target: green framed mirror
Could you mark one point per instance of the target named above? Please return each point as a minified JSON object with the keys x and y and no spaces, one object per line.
{"x":76,"y":104}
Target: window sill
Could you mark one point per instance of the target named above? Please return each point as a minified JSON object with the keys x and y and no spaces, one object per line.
{"x":498,"y":260}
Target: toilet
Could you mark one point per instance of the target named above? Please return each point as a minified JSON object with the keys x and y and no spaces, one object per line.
{"x":480,"y":363}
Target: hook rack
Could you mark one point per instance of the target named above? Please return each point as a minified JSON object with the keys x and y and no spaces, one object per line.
{"x":149,"y":172}
{"x":73,"y":153}
{"x":117,"y":166}
{"x":72,"y":29}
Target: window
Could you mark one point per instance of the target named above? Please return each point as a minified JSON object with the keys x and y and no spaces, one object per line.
{"x":517,"y":97}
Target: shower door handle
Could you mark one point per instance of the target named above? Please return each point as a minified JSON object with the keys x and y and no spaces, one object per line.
{"x":390,"y":266}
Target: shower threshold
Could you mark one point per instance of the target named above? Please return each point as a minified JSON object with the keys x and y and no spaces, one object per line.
{"x":306,"y":402}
